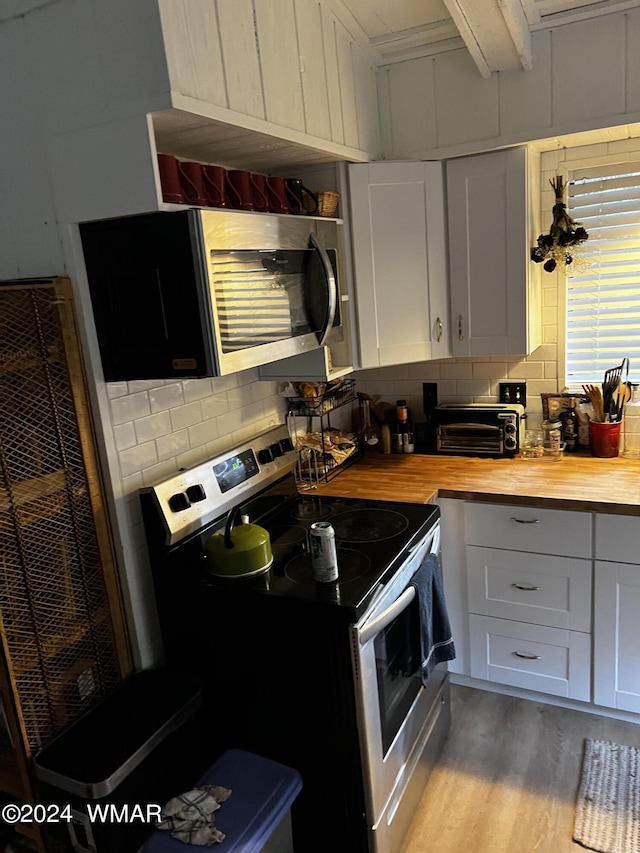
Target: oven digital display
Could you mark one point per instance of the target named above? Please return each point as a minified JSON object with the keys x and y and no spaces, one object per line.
{"x":236,"y":470}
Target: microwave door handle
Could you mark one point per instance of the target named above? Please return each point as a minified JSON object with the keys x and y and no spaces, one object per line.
{"x":332,"y":289}
{"x":387,"y":616}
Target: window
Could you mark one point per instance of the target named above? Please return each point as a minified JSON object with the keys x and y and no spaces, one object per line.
{"x":603,"y":297}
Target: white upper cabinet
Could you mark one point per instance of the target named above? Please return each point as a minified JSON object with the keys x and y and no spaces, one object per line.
{"x":494,"y":298}
{"x":400,"y":262}
{"x":288,"y":69}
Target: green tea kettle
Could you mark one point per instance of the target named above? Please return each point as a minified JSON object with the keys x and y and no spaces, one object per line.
{"x":242,"y":550}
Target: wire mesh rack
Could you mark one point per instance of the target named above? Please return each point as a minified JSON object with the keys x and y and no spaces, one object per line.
{"x":324,"y":447}
{"x":54,"y":608}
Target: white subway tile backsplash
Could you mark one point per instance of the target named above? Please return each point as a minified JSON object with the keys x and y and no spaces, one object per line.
{"x":186,"y":416}
{"x":196,"y":389}
{"x":230,"y":422}
{"x":545,"y":352}
{"x":489,"y":370}
{"x":136,"y":385}
{"x":130,"y":407}
{"x":526,"y":370}
{"x":124,"y":435}
{"x":239,"y":397}
{"x":202,"y":433}
{"x":473,"y":387}
{"x":173,"y":444}
{"x":137,"y":458}
{"x":263,"y":389}
{"x":159,"y":472}
{"x":152,"y":426}
{"x":192,"y":457}
{"x":131,"y":484}
{"x":166,"y":397}
{"x":456,"y":370}
{"x":116,"y":389}
{"x":425,"y":371}
{"x":213,"y":406}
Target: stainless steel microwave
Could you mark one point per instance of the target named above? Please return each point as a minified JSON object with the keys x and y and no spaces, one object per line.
{"x":198,"y":293}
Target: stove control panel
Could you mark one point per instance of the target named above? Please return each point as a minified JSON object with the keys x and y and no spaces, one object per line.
{"x":196,"y":496}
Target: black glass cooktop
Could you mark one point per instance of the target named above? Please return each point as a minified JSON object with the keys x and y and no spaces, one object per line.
{"x":372,"y":539}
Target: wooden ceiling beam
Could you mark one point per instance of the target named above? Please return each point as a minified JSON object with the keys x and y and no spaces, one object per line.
{"x":496,"y":33}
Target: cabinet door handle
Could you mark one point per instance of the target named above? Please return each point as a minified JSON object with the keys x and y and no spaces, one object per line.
{"x":440,"y":329}
{"x":525,"y":656}
{"x":525,"y":520}
{"x":460,"y":335}
{"x":524,"y":587}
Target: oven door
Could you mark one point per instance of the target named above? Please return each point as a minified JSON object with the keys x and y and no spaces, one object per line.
{"x":394,"y":709}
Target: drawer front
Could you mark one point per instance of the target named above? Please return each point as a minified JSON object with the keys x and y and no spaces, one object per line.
{"x":548,"y":660}
{"x":536,"y":588}
{"x":519,"y":528}
{"x":618,"y":538}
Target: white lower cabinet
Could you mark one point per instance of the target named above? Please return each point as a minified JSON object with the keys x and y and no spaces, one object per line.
{"x":533,"y":657}
{"x":529,"y":597}
{"x":536,"y":588}
{"x":617,"y":613}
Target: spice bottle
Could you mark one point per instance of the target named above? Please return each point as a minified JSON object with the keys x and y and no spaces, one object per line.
{"x":553,"y":434}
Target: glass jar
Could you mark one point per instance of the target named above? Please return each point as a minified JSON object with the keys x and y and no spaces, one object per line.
{"x":533,"y":446}
{"x":552,"y":434}
{"x":631,"y":424}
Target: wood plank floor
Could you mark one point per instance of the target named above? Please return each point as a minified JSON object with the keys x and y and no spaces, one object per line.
{"x":508,"y":776}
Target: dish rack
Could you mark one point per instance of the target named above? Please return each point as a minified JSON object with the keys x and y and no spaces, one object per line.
{"x":320,"y":426}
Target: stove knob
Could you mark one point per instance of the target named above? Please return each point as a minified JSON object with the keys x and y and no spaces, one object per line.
{"x":178,"y":502}
{"x":276,"y":450}
{"x":265,"y":456}
{"x":286,"y":444}
{"x":510,"y":428}
{"x":196,"y":493}
{"x":510,"y":442}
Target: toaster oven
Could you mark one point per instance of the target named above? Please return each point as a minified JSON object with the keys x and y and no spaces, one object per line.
{"x":479,"y":429}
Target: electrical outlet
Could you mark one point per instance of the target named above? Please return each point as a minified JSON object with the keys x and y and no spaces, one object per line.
{"x":513,"y":392}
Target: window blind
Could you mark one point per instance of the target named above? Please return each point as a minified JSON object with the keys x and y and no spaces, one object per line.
{"x":603,"y":295}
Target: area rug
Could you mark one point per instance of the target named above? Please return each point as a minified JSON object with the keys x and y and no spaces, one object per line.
{"x":608,"y":808}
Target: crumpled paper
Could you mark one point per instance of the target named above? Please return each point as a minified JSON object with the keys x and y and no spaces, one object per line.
{"x":189,"y":816}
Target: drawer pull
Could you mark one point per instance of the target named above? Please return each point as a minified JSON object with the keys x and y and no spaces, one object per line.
{"x":525,"y":587}
{"x":525,"y":520}
{"x":526,"y":657}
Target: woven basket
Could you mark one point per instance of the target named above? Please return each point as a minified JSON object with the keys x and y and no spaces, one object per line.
{"x":327,"y":202}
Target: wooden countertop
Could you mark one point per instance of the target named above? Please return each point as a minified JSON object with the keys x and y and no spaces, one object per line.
{"x":578,"y":481}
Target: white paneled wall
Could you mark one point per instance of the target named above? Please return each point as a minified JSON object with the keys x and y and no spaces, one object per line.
{"x":584,"y":77}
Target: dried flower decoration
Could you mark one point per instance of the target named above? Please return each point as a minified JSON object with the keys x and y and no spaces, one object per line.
{"x":553,"y":248}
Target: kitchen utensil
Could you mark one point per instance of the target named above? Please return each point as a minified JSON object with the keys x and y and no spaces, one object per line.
{"x":242,"y":550}
{"x":595,"y":398}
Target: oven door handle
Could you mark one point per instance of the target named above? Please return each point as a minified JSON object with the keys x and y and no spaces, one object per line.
{"x":387,"y":616}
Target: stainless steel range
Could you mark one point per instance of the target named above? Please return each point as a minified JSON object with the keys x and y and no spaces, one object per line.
{"x":314,"y":675}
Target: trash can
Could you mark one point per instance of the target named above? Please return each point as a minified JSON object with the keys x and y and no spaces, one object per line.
{"x":257,"y":814}
{"x":111,"y":771}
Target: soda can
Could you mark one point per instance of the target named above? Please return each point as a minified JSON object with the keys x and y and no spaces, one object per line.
{"x":324,"y":557}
